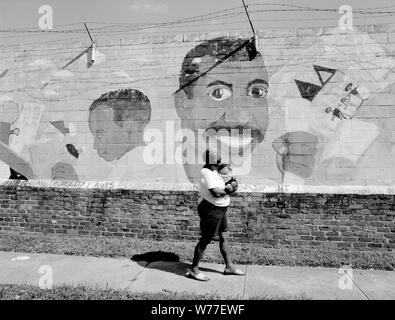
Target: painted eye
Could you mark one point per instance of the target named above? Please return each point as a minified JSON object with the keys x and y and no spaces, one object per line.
{"x":257,"y":91}
{"x":219,"y":94}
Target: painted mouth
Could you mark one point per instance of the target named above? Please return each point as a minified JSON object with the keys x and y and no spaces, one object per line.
{"x":236,"y":137}
{"x":236,"y":133}
{"x":236,"y":141}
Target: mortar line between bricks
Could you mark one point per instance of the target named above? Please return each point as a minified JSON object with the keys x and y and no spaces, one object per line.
{"x":356,"y":285}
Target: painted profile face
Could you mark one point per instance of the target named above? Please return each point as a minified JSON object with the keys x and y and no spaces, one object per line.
{"x":231,"y":96}
{"x":110,"y":140}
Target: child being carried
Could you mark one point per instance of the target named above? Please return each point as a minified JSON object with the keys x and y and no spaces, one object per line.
{"x":225,"y":171}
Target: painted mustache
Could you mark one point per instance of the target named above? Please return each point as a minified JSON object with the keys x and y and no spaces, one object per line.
{"x":257,"y":133}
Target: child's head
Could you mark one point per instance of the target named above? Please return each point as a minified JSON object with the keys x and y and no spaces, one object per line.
{"x":117,"y":121}
{"x":224,"y":169}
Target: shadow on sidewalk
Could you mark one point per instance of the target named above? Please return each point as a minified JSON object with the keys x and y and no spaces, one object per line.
{"x":165,"y":261}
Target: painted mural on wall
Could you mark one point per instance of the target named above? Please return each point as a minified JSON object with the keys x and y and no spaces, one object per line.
{"x":117,"y":121}
{"x":323,"y":116}
{"x":343,"y":101}
{"x":230,"y":96}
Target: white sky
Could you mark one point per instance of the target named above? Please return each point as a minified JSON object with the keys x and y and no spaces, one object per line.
{"x":17,"y":14}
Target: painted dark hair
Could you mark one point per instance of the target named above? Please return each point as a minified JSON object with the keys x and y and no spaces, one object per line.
{"x":128,"y":105}
{"x":217,"y":48}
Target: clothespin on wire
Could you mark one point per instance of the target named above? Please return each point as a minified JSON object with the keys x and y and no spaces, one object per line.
{"x":93,"y":44}
{"x":90,"y":52}
{"x":251,"y":25}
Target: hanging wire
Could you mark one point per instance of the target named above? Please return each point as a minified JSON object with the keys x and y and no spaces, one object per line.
{"x":219,"y":18}
{"x":199,"y":18}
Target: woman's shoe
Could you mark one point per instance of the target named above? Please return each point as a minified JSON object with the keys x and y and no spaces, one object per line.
{"x":197,"y":275}
{"x":234,"y":272}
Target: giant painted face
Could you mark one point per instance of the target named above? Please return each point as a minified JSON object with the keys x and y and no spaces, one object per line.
{"x":233,"y":95}
{"x":117,"y":121}
{"x":230,"y":97}
{"x":110,"y":140}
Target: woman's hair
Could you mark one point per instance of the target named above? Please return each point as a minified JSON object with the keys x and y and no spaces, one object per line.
{"x":211,"y":157}
{"x":224,"y":165}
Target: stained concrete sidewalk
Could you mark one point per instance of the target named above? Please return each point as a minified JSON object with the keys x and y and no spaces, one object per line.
{"x":271,"y":281}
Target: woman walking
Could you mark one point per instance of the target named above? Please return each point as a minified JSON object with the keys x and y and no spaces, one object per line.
{"x":212,"y":209}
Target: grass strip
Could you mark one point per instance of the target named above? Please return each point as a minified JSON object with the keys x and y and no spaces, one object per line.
{"x":83,"y":292}
{"x":242,"y":253}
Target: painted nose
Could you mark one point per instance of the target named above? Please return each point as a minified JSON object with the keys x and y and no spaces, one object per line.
{"x":239,"y":108}
{"x":237,"y":115}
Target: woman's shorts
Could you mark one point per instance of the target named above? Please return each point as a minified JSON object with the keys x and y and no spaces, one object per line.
{"x":213,"y":219}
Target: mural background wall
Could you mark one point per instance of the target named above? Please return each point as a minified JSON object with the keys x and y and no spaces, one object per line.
{"x":330,"y":105}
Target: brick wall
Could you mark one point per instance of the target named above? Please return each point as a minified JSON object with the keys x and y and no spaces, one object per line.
{"x":355,"y":221}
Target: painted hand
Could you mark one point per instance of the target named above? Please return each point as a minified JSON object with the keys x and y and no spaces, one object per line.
{"x":296,"y":153}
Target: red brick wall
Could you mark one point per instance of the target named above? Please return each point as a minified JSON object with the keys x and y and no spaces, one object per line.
{"x":355,"y":221}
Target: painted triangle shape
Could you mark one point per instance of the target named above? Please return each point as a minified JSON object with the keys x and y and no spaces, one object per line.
{"x":60,"y":126}
{"x":307,"y":90}
{"x":324,"y":73}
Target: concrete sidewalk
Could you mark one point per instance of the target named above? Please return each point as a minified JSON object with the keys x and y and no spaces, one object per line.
{"x":271,"y":281}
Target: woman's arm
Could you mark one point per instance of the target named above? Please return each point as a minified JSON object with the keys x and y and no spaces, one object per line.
{"x":218,"y":192}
